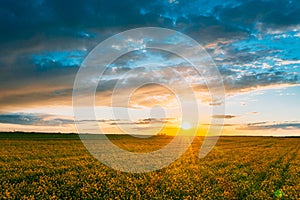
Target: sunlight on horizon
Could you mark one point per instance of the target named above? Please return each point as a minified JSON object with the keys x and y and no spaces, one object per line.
{"x":186,"y":126}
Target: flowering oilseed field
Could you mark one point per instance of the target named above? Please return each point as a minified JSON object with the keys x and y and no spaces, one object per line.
{"x":59,"y":167}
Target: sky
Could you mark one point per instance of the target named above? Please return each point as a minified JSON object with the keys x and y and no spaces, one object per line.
{"x":255,"y":44}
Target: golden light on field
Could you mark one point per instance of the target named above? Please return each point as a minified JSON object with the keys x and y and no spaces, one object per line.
{"x":57,"y":167}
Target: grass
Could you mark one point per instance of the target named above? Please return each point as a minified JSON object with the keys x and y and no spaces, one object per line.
{"x":57,"y":166}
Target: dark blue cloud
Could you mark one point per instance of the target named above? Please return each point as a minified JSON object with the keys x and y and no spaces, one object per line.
{"x":271,"y":14}
{"x":54,"y":59}
{"x":19,"y":119}
{"x":33,"y":119}
{"x":51,"y":17}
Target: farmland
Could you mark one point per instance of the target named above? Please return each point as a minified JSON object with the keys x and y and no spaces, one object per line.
{"x":36,"y":166}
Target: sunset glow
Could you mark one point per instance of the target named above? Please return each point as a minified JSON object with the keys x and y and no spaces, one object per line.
{"x":258,"y":57}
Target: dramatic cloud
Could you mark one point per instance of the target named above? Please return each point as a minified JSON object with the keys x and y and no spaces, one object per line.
{"x":252,"y":48}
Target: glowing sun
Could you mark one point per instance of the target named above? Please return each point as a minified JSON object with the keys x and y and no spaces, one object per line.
{"x":186,"y":125}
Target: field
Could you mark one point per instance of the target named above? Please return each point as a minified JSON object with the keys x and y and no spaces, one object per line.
{"x":35,"y":166}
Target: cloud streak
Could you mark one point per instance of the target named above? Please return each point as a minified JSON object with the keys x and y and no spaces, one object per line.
{"x":224,"y":116}
{"x":271,"y":126}
{"x":33,"y":119}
